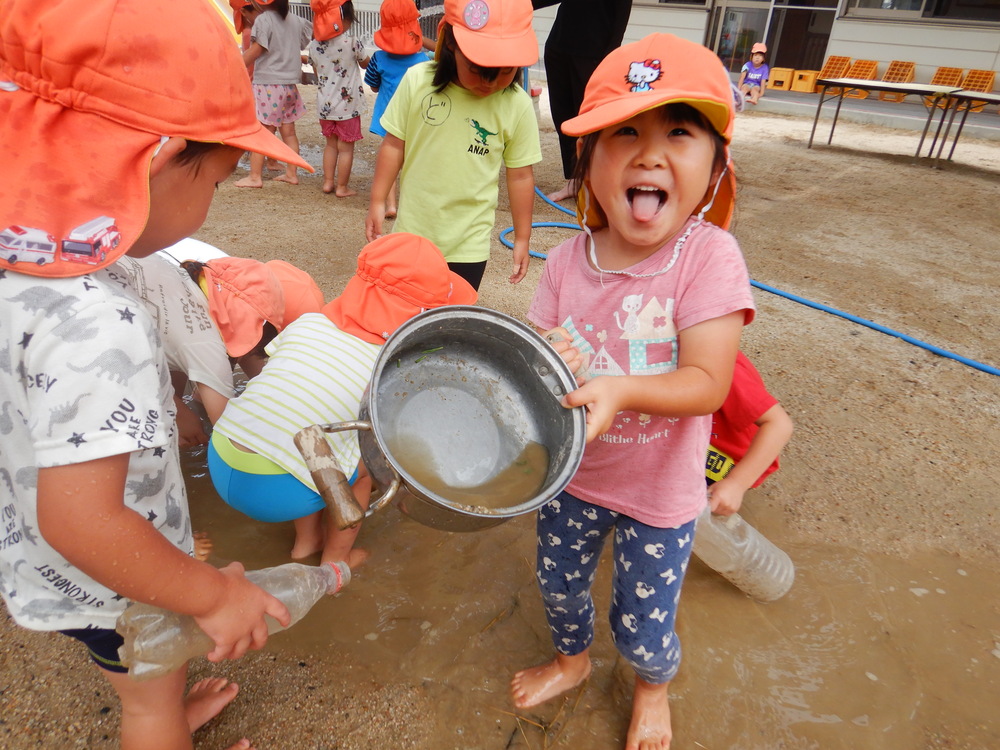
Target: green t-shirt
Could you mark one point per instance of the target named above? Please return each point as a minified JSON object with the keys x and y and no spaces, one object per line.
{"x":456,"y":143}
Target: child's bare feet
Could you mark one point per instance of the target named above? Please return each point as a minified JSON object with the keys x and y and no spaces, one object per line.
{"x":290,"y":179}
{"x":345,"y":192}
{"x":566,"y":191}
{"x":202,"y":545}
{"x":249,"y":182}
{"x":390,"y":212}
{"x":206,"y":699}
{"x":328,"y":188}
{"x":538,"y":684}
{"x":650,"y":726}
{"x":272,"y":165}
{"x":243,"y":744}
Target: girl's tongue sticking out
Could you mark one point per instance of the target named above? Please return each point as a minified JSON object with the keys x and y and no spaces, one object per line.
{"x":645,"y":202}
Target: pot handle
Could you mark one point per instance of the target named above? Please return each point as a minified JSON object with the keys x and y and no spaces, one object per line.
{"x":329,"y":477}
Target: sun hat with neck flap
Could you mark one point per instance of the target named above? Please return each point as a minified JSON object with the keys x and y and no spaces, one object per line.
{"x":399,"y":275}
{"x":657,"y":70}
{"x":89,"y":89}
{"x":399,"y":30}
{"x":328,"y":18}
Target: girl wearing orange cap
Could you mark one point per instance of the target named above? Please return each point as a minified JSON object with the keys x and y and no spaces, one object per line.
{"x":337,"y":56}
{"x":275,"y":54}
{"x":656,"y":294}
{"x":754,"y":74}
{"x":457,"y":121}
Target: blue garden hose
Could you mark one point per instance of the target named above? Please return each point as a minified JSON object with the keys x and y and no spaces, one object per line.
{"x":794,"y":297}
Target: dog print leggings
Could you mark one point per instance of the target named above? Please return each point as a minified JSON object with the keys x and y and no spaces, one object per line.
{"x":649,"y":569}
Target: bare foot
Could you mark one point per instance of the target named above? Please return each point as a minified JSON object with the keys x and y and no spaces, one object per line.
{"x":356,"y":558}
{"x":328,"y":188}
{"x":249,"y":182}
{"x":390,"y":213}
{"x":272,"y":165}
{"x":202,"y":545}
{"x":345,"y":192}
{"x":650,"y":726}
{"x":538,"y":684}
{"x":290,"y":179}
{"x":304,"y":548}
{"x":562,"y":194}
{"x":206,"y":699}
{"x":243,"y":744}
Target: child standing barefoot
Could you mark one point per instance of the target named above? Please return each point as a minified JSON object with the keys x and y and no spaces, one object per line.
{"x":657,"y":296}
{"x":275,"y":53}
{"x":336,"y":55}
{"x":451,"y":125}
{"x":94,"y":499}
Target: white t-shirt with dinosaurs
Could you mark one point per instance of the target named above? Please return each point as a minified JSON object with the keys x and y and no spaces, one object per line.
{"x":82,"y":377}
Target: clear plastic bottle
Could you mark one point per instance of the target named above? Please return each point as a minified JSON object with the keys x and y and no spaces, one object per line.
{"x":745,"y":557}
{"x":158,"y":641}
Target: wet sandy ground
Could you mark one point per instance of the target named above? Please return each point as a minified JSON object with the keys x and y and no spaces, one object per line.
{"x":885,"y":502}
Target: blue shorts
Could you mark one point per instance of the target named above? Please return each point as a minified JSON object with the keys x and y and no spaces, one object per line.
{"x":258,"y":487}
{"x":103,"y":645}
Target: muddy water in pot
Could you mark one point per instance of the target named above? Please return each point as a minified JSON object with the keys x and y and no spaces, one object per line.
{"x":505,"y":487}
{"x":866,"y":652}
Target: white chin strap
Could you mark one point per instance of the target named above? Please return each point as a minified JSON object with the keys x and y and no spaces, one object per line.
{"x":698,"y":220}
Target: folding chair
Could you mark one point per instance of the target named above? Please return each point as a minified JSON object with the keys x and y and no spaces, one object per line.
{"x":836,"y":66}
{"x":866,"y":69}
{"x":899,"y":71}
{"x":943,"y":77}
{"x":978,"y":80}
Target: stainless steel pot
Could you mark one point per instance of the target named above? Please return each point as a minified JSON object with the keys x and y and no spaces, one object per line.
{"x":460,"y":395}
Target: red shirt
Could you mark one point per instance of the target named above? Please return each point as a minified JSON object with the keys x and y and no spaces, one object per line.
{"x":733,"y":425}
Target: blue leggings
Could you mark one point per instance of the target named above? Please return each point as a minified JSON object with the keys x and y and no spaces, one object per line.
{"x":649,"y":569}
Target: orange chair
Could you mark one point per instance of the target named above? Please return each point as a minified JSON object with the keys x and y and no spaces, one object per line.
{"x":836,"y":66}
{"x":899,"y":71}
{"x":943,"y":77}
{"x":863,"y":69}
{"x":978,"y":80}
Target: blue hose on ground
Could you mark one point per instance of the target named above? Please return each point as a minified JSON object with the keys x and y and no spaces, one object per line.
{"x":794,"y":297}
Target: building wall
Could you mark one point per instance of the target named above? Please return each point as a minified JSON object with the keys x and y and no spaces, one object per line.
{"x":930,"y":46}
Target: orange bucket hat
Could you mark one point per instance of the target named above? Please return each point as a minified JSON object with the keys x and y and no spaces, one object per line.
{"x":493,"y":33}
{"x":243,"y":294}
{"x":759,"y":47}
{"x":657,"y":70}
{"x":328,"y":19}
{"x":301,"y":293}
{"x":399,"y":275}
{"x":238,"y":20}
{"x":399,"y":32}
{"x":84,"y":107}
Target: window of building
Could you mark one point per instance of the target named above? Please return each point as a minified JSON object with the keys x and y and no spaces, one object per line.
{"x":955,"y":10}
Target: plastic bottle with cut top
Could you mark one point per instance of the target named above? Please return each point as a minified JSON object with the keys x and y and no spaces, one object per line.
{"x":745,"y":557}
{"x":158,"y":641}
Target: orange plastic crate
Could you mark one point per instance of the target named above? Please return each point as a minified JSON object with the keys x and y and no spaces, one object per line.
{"x":899,"y":71}
{"x":805,"y":80}
{"x":866,"y":69}
{"x":780,"y":79}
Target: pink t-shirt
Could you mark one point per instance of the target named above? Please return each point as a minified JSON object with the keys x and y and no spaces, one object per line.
{"x":648,"y":467}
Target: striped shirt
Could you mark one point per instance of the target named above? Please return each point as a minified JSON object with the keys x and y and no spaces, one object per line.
{"x":315,"y":374}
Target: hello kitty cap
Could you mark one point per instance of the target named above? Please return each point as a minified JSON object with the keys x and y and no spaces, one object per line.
{"x":659,"y":69}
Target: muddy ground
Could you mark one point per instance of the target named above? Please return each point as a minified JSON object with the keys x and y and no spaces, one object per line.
{"x":886,"y":499}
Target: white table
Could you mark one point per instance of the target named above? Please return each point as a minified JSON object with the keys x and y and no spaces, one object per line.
{"x":936,"y":92}
{"x":971,"y":98}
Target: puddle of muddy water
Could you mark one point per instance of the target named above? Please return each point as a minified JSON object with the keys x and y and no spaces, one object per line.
{"x":865,"y":651}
